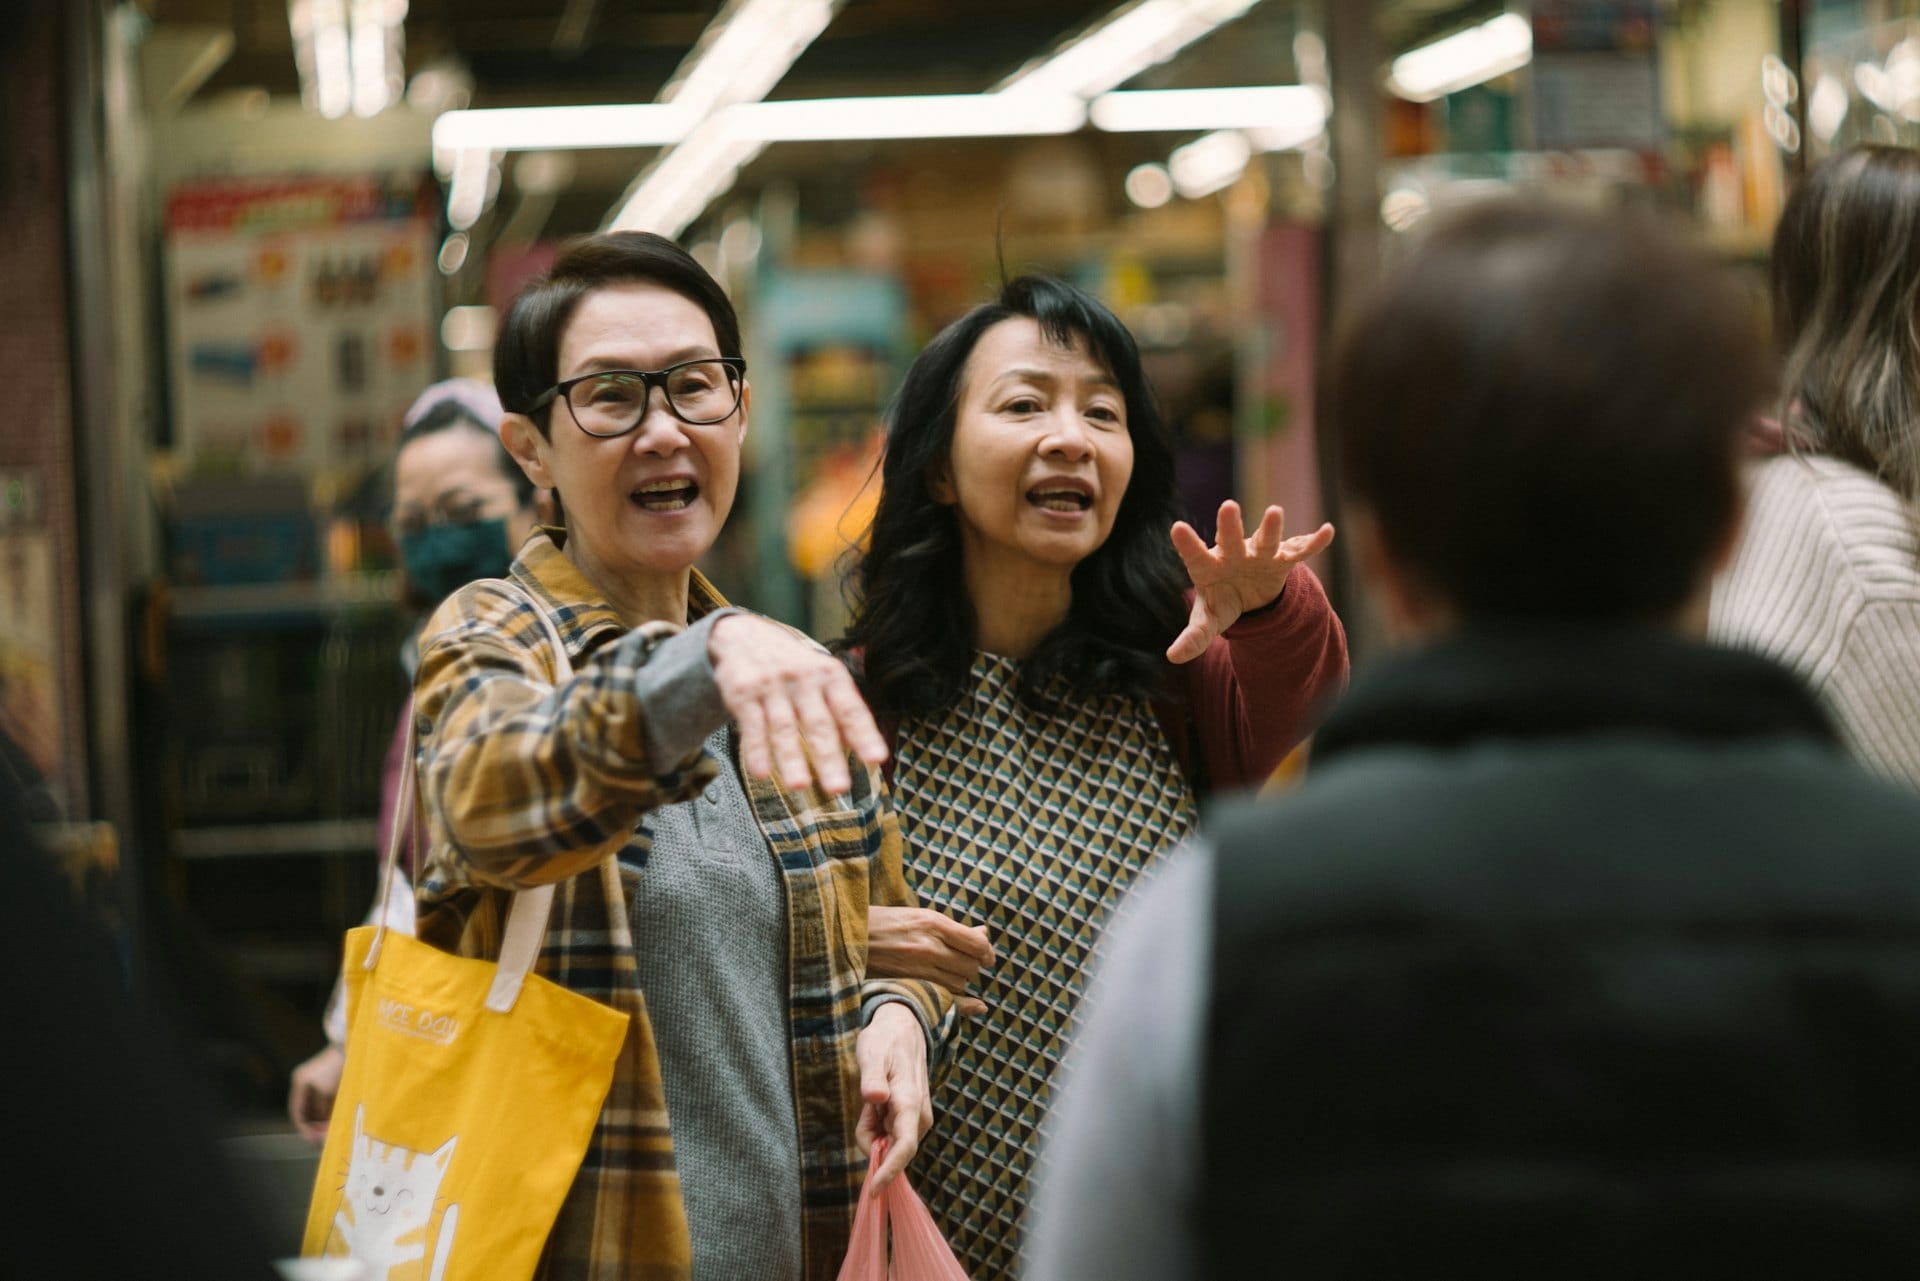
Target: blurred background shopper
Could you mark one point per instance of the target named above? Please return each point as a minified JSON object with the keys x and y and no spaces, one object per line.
{"x":1826,"y":578}
{"x":759,"y":1062}
{"x":461,"y":507}
{"x":1583,"y":950}
{"x":113,"y":1165}
{"x":1060,"y":688}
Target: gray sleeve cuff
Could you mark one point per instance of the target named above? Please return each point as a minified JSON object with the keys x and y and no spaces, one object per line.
{"x":878,"y":999}
{"x":679,"y":703}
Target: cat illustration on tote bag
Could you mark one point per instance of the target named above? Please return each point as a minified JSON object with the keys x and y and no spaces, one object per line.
{"x":387,"y":1206}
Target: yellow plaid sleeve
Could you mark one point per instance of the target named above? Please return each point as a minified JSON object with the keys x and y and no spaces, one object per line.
{"x":887,"y":887}
{"x":525,"y":781}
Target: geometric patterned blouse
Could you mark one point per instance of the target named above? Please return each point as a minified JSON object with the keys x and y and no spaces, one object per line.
{"x":1035,"y":826}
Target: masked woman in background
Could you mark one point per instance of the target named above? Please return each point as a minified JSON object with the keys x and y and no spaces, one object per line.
{"x":1060,"y":691}
{"x":461,"y":507}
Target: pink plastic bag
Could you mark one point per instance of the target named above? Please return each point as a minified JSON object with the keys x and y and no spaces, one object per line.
{"x":920,"y":1253}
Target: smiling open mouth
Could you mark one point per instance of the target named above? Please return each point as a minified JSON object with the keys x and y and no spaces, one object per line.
{"x":1061,"y":500}
{"x":666,"y":495}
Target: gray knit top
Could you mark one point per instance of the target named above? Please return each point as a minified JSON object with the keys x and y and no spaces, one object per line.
{"x":1826,"y":579}
{"x":709,"y":933}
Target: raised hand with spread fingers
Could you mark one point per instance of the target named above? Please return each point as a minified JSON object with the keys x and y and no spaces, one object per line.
{"x":1237,"y":574}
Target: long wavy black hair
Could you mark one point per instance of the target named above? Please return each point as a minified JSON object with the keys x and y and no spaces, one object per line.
{"x":913,"y":624}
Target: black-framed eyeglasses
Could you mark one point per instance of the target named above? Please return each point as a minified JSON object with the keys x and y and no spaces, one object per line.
{"x":611,"y":402}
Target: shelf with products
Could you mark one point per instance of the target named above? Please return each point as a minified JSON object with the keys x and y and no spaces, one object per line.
{"x":298,"y":600}
{"x":273,"y":706}
{"x":829,"y":347}
{"x":250,"y":840}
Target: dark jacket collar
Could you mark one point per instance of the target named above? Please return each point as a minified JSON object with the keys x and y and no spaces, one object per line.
{"x":1541,"y":681}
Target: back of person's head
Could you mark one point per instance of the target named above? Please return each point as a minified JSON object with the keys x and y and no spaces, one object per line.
{"x":1540,"y":411}
{"x":1846,"y":294}
{"x":526,"y":356}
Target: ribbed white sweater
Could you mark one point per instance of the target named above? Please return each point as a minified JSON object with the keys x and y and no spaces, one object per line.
{"x":1826,"y":579}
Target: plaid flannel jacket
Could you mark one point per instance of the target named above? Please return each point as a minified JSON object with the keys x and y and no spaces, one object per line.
{"x":523,"y":783}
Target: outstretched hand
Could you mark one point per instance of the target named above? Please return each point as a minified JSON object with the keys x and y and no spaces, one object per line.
{"x":1237,"y":574}
{"x":798,"y":710}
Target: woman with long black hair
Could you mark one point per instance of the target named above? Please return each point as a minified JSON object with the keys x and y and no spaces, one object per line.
{"x":1064,"y":667}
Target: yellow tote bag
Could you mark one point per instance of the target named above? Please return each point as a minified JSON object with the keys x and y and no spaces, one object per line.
{"x":469,"y":1097}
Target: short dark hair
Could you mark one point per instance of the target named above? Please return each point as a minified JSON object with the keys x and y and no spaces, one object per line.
{"x":1542,"y":411}
{"x":451,"y":413}
{"x":1846,"y":294}
{"x":526,"y":356}
{"x":915,"y":633}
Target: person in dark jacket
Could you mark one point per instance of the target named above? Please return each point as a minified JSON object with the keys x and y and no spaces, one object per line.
{"x":113,"y":1168}
{"x":1583,"y":951}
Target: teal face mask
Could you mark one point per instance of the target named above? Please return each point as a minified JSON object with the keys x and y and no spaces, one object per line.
{"x":441,"y":559}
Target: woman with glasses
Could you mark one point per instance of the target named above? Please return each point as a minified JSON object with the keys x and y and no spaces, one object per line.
{"x":701,"y":790}
{"x":460,"y":507}
{"x":1065,"y":668}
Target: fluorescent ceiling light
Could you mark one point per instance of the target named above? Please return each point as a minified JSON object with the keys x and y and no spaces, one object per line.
{"x":707,"y":162}
{"x":323,"y":53}
{"x":470,"y":188}
{"x":467,"y":329}
{"x":1289,"y":110}
{"x":1120,"y":47}
{"x":685,"y":181}
{"x":649,"y":124}
{"x":962,"y":115}
{"x":350,"y":53}
{"x":1149,"y":186}
{"x":1205,"y":166}
{"x":1465,"y":58}
{"x":741,"y":56}
{"x":378,"y":46}
{"x":745,"y":51}
{"x":1288,"y":107}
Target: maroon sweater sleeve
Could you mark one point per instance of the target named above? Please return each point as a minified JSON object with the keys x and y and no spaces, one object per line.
{"x":1253,"y":695}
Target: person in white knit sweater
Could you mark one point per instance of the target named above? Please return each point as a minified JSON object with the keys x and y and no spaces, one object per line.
{"x":1826,"y":574}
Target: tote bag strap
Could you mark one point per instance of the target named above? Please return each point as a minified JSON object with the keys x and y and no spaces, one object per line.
{"x":530,"y":909}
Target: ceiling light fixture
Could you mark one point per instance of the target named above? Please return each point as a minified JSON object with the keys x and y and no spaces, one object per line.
{"x":1149,"y":186}
{"x":378,"y":45}
{"x":1274,"y":111}
{"x":685,"y":180}
{"x":1284,"y":107}
{"x":706,"y":163}
{"x":350,"y":54}
{"x":647,"y":124}
{"x":1205,"y":165}
{"x":739,"y":58}
{"x":745,"y":51}
{"x":470,"y":188}
{"x":960,"y":115}
{"x":323,"y":53}
{"x":1463,"y":59}
{"x":1121,"y":46}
